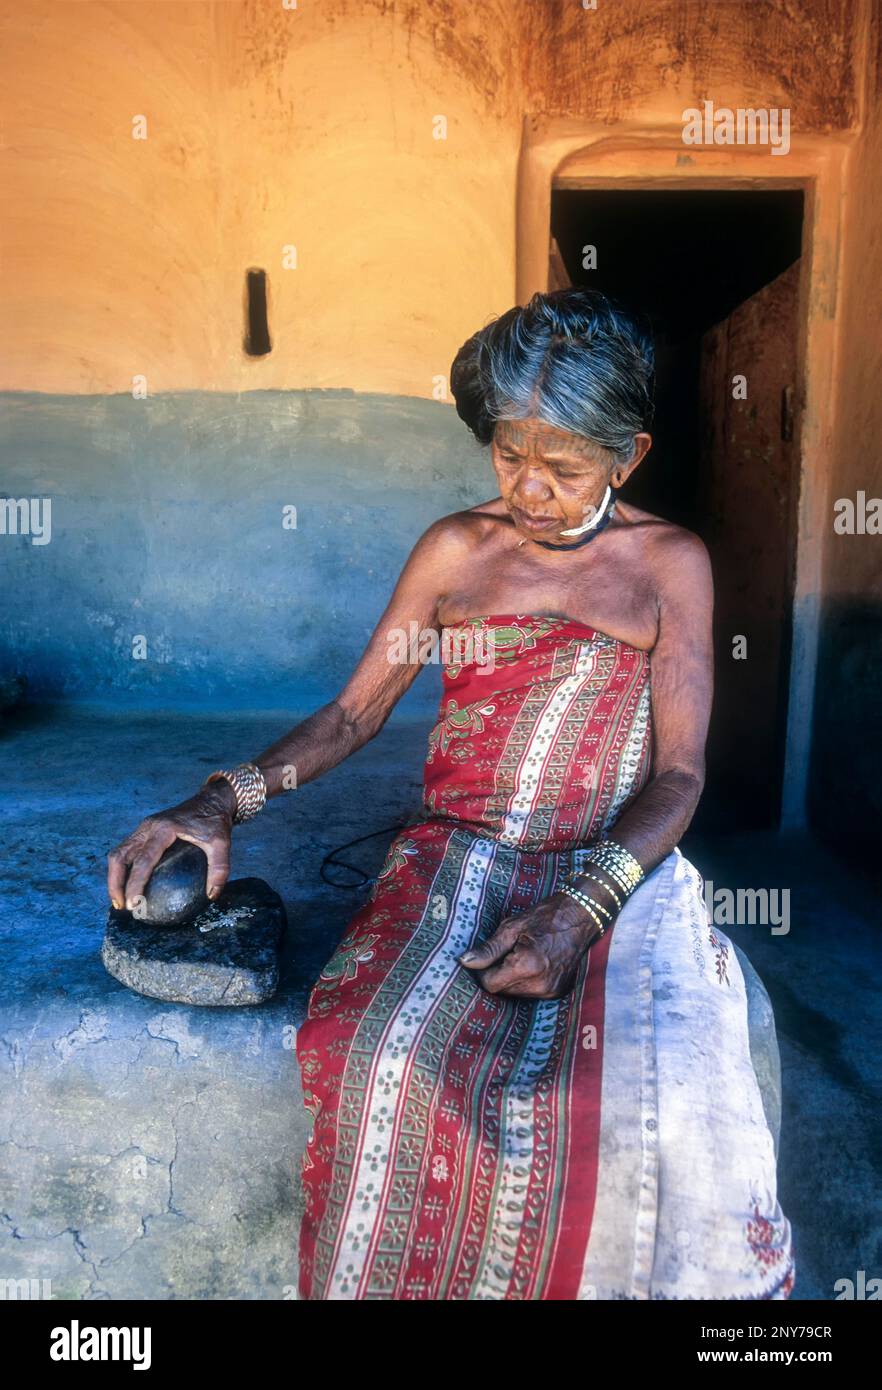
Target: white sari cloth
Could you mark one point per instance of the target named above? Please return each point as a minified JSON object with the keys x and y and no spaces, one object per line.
{"x":686,"y":1203}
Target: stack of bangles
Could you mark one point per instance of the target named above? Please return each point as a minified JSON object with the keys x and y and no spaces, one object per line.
{"x":621,"y":875}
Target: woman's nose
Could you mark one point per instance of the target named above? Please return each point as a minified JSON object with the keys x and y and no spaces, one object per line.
{"x":533,"y":487}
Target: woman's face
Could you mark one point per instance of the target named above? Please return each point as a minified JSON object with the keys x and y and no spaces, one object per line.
{"x":552,"y":480}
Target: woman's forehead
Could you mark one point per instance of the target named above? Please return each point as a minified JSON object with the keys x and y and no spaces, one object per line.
{"x":533,"y":432}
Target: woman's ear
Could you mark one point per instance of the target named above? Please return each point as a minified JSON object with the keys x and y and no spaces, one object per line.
{"x":622,"y":471}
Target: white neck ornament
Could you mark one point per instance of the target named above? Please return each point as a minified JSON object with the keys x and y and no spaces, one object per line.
{"x":589,"y":525}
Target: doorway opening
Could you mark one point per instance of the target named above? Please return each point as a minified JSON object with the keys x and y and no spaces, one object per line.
{"x":716,"y":272}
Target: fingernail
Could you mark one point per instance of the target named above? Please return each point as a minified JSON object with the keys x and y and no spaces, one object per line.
{"x":214,"y":893}
{"x":468,"y":956}
{"x":117,"y":904}
{"x":130,"y":903}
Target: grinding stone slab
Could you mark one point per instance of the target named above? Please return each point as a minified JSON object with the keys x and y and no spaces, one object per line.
{"x":227,"y":955}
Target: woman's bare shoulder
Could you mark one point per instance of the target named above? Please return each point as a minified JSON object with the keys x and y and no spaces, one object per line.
{"x":676,"y":556}
{"x":469,"y":526}
{"x":495,"y":507}
{"x":447,"y":546}
{"x":667,"y":536}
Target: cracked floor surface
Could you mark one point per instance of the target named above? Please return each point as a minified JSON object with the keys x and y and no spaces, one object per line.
{"x":152,"y":1151}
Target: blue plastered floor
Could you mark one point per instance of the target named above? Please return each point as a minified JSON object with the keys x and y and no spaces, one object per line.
{"x":151,"y":1150}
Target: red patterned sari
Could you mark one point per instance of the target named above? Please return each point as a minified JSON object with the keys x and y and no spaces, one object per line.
{"x":611,"y":1144}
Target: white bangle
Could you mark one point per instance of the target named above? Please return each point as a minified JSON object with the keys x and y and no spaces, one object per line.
{"x":249,"y":787}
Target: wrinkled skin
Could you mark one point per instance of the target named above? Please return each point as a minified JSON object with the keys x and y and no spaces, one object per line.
{"x":206,"y":820}
{"x":544,"y":472}
{"x":535,"y":954}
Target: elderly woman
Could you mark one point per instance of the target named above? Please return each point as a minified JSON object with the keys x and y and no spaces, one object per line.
{"x":527,"y":1061}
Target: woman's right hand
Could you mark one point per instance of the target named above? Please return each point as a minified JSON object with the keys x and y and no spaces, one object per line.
{"x":205,"y":820}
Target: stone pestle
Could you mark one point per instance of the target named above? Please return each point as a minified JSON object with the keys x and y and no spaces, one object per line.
{"x":175,"y":892}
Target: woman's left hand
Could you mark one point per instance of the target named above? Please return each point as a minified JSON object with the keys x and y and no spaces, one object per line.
{"x":536,"y":954}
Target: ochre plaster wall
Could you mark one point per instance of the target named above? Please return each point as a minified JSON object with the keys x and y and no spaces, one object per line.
{"x":313,"y":127}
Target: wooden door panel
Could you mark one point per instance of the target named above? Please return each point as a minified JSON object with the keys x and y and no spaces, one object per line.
{"x":750,"y":452}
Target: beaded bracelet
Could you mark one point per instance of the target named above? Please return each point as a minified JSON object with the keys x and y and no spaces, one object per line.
{"x":584,"y":873}
{"x":589,"y":905}
{"x":616,"y":859}
{"x":601,"y":907}
{"x":615,"y":863}
{"x":249,"y":786}
{"x":622,"y":884}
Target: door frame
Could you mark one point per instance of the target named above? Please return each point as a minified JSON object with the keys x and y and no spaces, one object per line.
{"x":565,"y":152}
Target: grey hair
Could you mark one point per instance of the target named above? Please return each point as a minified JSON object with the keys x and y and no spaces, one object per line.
{"x":572,"y":358}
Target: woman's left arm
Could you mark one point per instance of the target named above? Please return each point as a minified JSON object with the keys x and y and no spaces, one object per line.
{"x":682,"y":690}
{"x":536,"y":954}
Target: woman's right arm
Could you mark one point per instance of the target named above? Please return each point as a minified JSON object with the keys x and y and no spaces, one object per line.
{"x":319,"y":742}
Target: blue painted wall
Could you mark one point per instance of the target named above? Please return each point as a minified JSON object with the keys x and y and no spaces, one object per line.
{"x":167,"y":523}
{"x":845,"y":787}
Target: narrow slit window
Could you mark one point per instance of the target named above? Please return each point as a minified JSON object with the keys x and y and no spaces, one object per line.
{"x":257,"y":338}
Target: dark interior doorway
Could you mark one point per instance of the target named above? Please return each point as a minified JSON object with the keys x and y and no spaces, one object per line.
{"x":716,"y":274}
